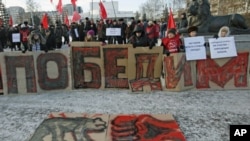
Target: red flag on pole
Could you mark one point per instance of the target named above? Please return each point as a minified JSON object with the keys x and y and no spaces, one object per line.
{"x":59,"y":7}
{"x":171,"y":22}
{"x":45,"y":21}
{"x":74,"y":4}
{"x":66,"y":20}
{"x":103,"y":13}
{"x":76,"y":17}
{"x":10,"y":21}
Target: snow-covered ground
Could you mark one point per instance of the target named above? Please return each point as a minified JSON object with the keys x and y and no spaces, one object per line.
{"x":202,"y":115}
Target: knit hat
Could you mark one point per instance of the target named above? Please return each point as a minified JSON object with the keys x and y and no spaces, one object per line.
{"x":91,"y":32}
{"x":172,"y":30}
{"x":192,"y":28}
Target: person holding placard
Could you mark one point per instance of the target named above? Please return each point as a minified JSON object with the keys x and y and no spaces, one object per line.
{"x":223,"y":32}
{"x":172,"y":43}
{"x":192,"y":31}
{"x":14,"y":42}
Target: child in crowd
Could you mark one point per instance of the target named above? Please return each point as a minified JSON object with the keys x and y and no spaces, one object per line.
{"x":172,"y":43}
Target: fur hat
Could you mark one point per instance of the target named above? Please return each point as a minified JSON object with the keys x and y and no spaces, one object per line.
{"x":172,"y":30}
{"x":192,"y":28}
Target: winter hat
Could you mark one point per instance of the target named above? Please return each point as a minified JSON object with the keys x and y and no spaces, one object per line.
{"x":172,"y":30}
{"x":138,"y":28}
{"x":192,"y":28}
{"x":150,"y":23}
{"x":91,"y":32}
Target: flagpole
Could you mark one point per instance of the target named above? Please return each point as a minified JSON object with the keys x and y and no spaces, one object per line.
{"x":92,"y":15}
{"x":113,"y":8}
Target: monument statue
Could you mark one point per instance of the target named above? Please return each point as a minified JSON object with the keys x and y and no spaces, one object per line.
{"x":198,"y":12}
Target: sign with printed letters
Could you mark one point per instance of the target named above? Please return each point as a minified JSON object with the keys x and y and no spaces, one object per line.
{"x":222,"y":47}
{"x":16,"y":37}
{"x":113,"y":32}
{"x":195,"y":49}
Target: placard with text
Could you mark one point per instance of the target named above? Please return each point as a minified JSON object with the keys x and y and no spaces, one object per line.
{"x":222,"y":47}
{"x":195,"y":49}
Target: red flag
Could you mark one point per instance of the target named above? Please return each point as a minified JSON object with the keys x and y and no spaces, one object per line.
{"x":45,"y":21}
{"x":103,"y":13}
{"x":76,"y":17}
{"x":74,"y":4}
{"x":66,"y":20}
{"x":10,"y":21}
{"x":171,"y":22}
{"x":59,"y":7}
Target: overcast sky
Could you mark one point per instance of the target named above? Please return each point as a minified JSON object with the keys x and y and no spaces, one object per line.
{"x":45,"y":5}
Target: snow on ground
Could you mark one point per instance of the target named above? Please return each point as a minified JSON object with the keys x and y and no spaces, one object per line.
{"x":202,"y":115}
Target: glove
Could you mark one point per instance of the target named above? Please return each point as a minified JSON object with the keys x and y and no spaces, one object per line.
{"x":216,"y":36}
{"x":134,"y":45}
{"x":206,"y":44}
{"x":166,"y":52}
{"x":151,"y":45}
{"x":182,"y":48}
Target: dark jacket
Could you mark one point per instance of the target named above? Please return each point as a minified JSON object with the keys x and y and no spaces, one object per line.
{"x":141,"y":41}
{"x":50,"y":42}
{"x":183,"y":22}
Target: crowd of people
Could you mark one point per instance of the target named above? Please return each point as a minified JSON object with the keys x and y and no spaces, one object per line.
{"x":138,"y":33}
{"x":23,"y":37}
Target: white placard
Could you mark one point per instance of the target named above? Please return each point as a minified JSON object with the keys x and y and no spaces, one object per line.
{"x":222,"y":47}
{"x":113,"y":31}
{"x":195,"y":49}
{"x":76,"y":32}
{"x":16,"y":37}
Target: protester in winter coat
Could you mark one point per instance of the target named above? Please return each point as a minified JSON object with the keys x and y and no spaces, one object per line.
{"x":139,"y":39}
{"x":65,"y":34}
{"x":14,"y":30}
{"x":37,"y":41}
{"x":192,"y":31}
{"x":58,"y":35}
{"x":172,"y":42}
{"x":82,"y":32}
{"x":223,"y":32}
{"x":183,"y":22}
{"x":123,"y":26}
{"x":90,"y":36}
{"x":50,"y":40}
{"x":157,"y":30}
{"x":24,"y":37}
{"x":74,"y":32}
{"x":101,"y":31}
{"x":2,"y":37}
{"x":150,"y":31}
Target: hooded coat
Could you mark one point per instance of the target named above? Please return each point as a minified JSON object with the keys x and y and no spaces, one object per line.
{"x":224,"y":28}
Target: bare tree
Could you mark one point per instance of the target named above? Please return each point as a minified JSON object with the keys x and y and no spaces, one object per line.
{"x":178,"y":4}
{"x":32,"y":6}
{"x":153,"y":8}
